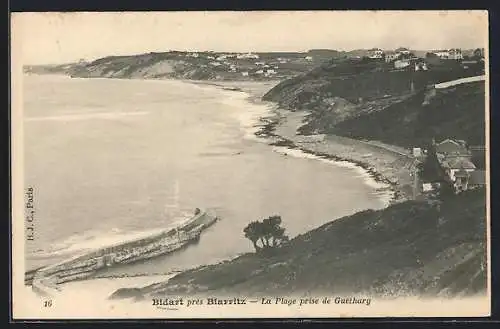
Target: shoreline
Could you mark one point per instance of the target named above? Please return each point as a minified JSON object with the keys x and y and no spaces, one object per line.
{"x":279,"y":128}
{"x":273,"y":126}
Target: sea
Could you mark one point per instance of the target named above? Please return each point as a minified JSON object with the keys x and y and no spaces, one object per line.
{"x":113,"y":159}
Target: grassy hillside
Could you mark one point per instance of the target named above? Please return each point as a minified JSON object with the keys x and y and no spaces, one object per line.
{"x":189,"y":65}
{"x":408,"y":248}
{"x":456,"y":112}
{"x":347,"y":96}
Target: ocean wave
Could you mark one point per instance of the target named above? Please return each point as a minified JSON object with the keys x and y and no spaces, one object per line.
{"x":248,"y":114}
{"x":92,"y":240}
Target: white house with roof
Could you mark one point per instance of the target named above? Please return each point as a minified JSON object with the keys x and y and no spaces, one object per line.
{"x":375,"y":53}
{"x":467,"y":180}
{"x":449,"y":147}
{"x":403,"y":51}
{"x":455,"y":53}
{"x":247,"y":56}
{"x":391,"y":56}
{"x":401,"y":63}
{"x":454,"y":165}
{"x":443,"y":54}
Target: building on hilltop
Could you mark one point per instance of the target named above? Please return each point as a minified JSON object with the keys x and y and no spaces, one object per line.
{"x":467,"y":180}
{"x":247,"y":56}
{"x":401,"y":63}
{"x":443,"y":54}
{"x":375,"y":53}
{"x":420,"y":65}
{"x":455,"y":53}
{"x":454,"y":165}
{"x":452,"y":147}
{"x":403,"y":51}
{"x":391,"y":56}
{"x":479,"y":52}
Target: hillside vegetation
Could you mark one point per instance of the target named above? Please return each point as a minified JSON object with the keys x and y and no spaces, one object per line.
{"x":456,"y":112}
{"x":370,"y":100}
{"x":411,"y":248}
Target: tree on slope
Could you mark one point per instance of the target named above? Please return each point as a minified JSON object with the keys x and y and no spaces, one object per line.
{"x":266,"y":234}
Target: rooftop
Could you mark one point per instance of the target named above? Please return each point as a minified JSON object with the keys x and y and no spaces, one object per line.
{"x":458,"y":163}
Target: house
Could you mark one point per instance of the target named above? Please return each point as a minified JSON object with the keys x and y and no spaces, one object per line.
{"x":467,"y":180}
{"x":215,"y":63}
{"x":375,"y":53}
{"x":391,"y":56}
{"x":271,"y":71}
{"x":479,"y":52}
{"x":247,"y":56}
{"x":461,"y":180}
{"x":245,"y":74}
{"x":221,"y":57}
{"x":420,"y":66}
{"x":417,"y":152}
{"x":259,"y":72}
{"x":443,"y":54}
{"x":403,"y":50}
{"x":401,"y":63}
{"x":455,"y":53}
{"x":427,"y":187}
{"x":452,"y":147}
{"x":454,"y":165}
{"x":260,"y":63}
{"x":308,"y":58}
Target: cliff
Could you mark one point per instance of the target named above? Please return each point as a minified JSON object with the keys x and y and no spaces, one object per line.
{"x":449,"y":113}
{"x":346,"y":96}
{"x":411,"y":248}
{"x":193,"y":65}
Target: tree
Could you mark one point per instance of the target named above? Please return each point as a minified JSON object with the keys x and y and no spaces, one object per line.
{"x":430,"y":170}
{"x":446,"y":190}
{"x":253,"y":232}
{"x":268,"y":233}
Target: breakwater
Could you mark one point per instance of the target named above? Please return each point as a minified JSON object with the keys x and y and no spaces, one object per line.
{"x":46,"y":281}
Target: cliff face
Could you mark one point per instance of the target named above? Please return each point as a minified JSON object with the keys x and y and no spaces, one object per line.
{"x":197,"y":66}
{"x":346,"y":97}
{"x":412,"y":248}
{"x":456,"y":112}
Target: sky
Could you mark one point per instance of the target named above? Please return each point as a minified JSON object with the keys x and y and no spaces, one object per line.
{"x":45,"y":38}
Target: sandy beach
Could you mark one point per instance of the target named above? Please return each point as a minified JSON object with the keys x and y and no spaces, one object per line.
{"x":388,"y":165}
